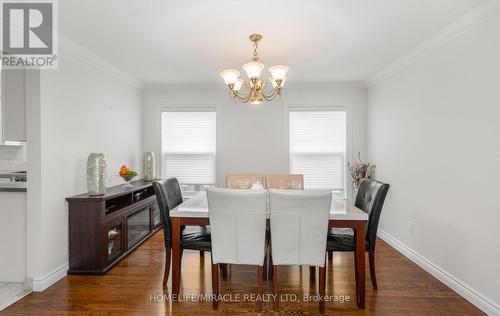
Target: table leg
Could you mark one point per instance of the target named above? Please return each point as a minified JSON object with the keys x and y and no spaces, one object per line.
{"x":312,"y":273}
{"x":360,"y":264}
{"x":176,"y":255}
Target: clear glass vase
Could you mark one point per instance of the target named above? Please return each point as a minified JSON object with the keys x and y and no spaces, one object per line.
{"x":149,"y":166}
{"x":96,"y":174}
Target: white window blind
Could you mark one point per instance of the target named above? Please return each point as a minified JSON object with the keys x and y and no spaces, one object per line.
{"x":317,"y":143}
{"x":188,"y":146}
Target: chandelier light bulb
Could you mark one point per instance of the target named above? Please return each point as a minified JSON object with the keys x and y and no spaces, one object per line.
{"x":253,"y":69}
{"x":275,"y":84}
{"x":279,"y":72}
{"x":230,"y":76}
{"x":238,"y":84}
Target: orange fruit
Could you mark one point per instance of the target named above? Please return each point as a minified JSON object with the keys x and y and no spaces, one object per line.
{"x":123,"y":170}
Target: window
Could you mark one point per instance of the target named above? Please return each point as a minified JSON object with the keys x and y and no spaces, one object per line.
{"x":317,"y":144}
{"x":188,"y":147}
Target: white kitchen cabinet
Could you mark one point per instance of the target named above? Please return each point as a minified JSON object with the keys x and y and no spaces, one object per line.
{"x":13,"y":237}
{"x":13,"y":106}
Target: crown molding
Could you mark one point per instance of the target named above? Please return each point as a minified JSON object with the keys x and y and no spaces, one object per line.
{"x":471,"y":19}
{"x":98,"y":62}
{"x":352,"y":85}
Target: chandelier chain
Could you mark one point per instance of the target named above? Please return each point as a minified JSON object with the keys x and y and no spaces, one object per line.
{"x":255,"y":52}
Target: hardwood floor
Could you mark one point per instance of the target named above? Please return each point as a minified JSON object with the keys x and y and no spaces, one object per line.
{"x":134,"y":287}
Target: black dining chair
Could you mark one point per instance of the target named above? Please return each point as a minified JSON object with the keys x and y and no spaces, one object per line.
{"x":370,"y":199}
{"x":168,"y":194}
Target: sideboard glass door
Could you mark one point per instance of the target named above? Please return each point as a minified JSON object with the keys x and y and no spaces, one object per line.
{"x":138,"y":226}
{"x":156,"y":215}
{"x":115,"y":240}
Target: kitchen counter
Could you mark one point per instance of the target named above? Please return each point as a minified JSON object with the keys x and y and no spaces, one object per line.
{"x":7,"y":183}
{"x":13,"y":186}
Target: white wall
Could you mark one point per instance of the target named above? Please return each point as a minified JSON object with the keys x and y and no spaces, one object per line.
{"x":83,"y":108}
{"x":433,"y":133}
{"x":252,"y":138}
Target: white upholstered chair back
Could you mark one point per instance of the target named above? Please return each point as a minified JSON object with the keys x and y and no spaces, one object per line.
{"x":244,"y":181}
{"x":299,"y":226}
{"x":238,"y":225}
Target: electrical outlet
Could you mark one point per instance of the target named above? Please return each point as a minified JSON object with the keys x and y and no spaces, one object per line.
{"x":411,"y":226}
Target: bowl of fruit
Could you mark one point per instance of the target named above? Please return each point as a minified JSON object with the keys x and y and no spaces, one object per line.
{"x":127,"y":174}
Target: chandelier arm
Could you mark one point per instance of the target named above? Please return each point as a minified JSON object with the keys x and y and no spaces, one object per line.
{"x":269,"y":96}
{"x":276,"y":90}
{"x":241,"y":97}
{"x":236,"y":95}
{"x":232,"y":95}
{"x":249,"y":91}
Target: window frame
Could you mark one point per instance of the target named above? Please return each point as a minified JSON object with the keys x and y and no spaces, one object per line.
{"x":320,"y":107}
{"x":190,"y":108}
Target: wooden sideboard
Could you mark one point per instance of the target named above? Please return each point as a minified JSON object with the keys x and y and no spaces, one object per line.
{"x":104,"y":229}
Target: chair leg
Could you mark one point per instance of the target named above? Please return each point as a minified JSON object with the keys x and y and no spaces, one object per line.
{"x":215,"y":286}
{"x":372,"y":269}
{"x":330,"y":255}
{"x":260,"y":276}
{"x":168,"y":255}
{"x":355,"y":265}
{"x":224,"y":267}
{"x":322,"y":285}
{"x":270,"y":268}
{"x":312,"y":273}
{"x":202,"y":253}
{"x":275,"y":289}
{"x":267,"y":266}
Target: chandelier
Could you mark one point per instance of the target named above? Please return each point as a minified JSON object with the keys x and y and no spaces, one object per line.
{"x":254,"y":89}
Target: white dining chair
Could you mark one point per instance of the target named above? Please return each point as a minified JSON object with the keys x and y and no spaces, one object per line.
{"x":299,"y":229}
{"x":238,"y":232}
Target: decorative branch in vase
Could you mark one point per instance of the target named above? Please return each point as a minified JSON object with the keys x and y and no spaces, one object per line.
{"x":360,"y":170}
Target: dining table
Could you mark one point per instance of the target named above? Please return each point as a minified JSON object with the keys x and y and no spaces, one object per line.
{"x":194,"y":212}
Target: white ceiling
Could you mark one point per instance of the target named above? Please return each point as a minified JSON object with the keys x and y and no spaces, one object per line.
{"x":166,"y":41}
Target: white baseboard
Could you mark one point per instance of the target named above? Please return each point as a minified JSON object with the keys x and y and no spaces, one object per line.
{"x":42,"y":283}
{"x":464,"y":290}
{"x":11,"y":293}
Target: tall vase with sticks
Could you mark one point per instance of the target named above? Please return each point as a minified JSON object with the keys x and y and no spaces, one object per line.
{"x":360,"y":170}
